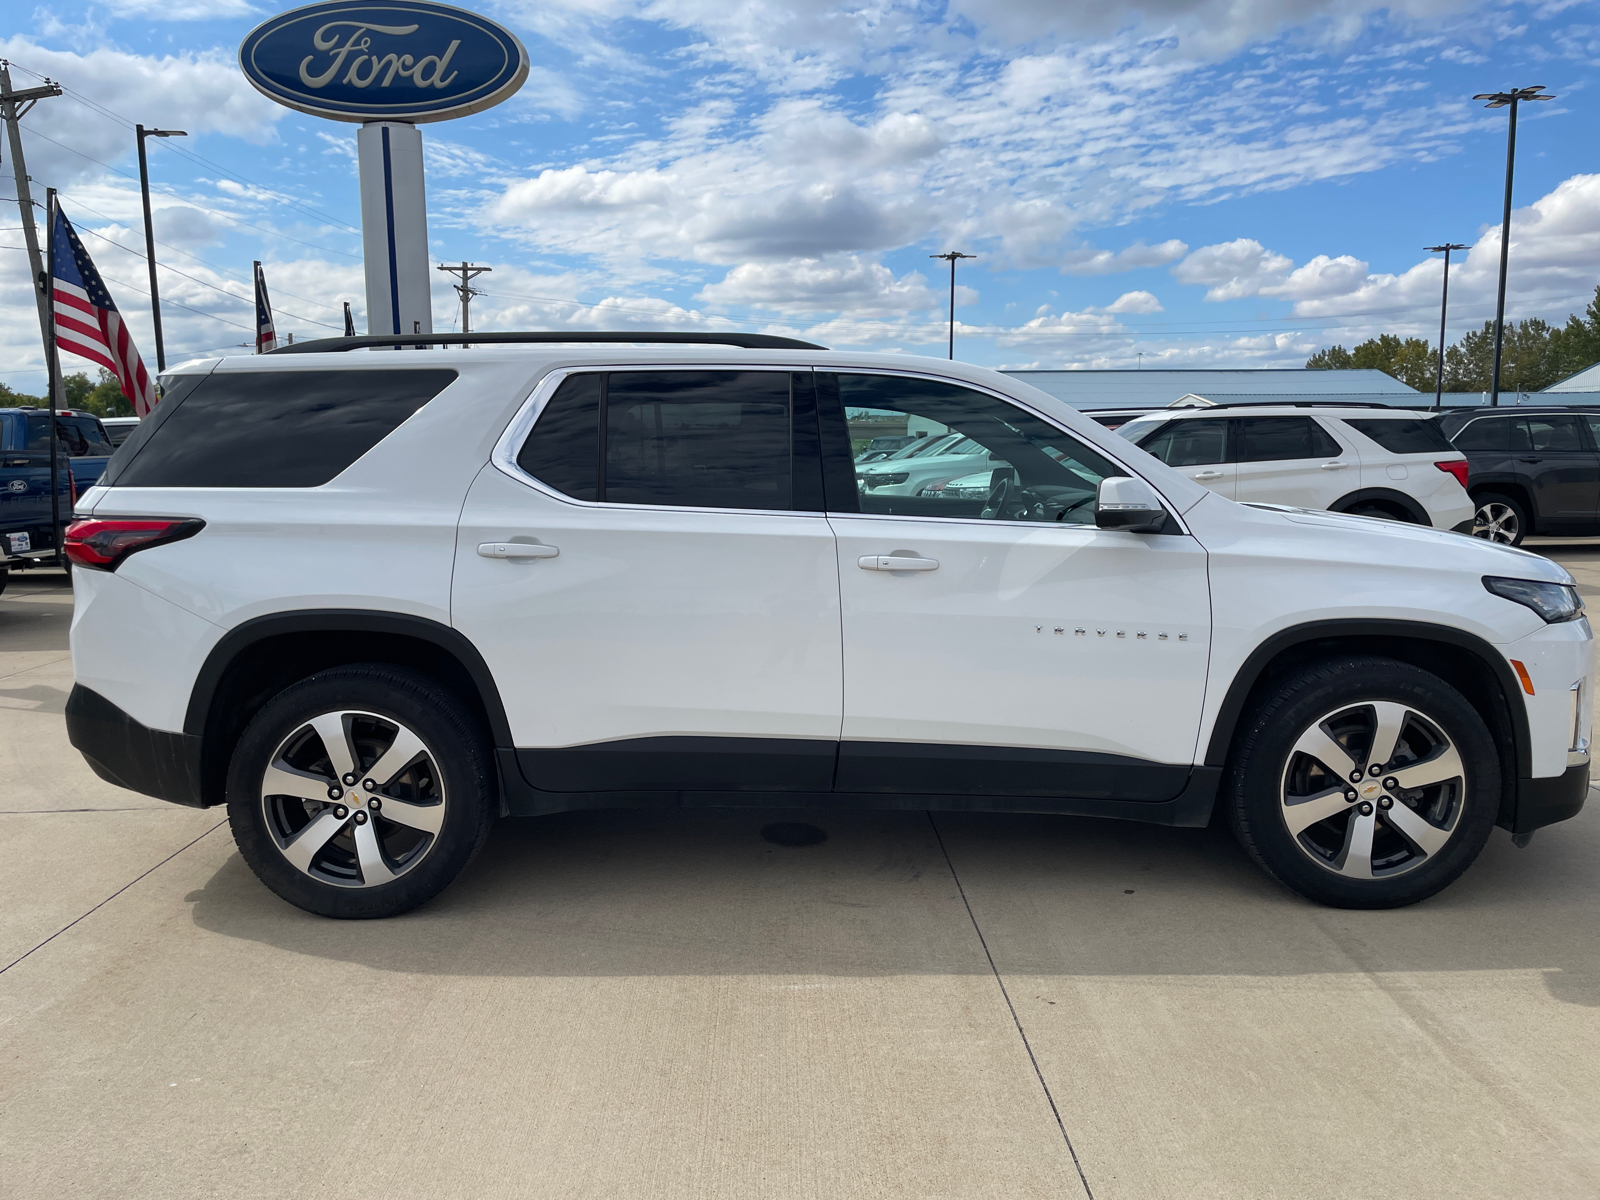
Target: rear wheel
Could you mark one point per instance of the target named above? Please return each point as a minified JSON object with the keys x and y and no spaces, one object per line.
{"x":361,"y":792}
{"x":1364,"y":783}
{"x":1384,"y":512}
{"x":1499,"y":518}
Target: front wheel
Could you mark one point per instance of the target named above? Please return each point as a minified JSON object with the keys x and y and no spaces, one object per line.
{"x":361,"y":792}
{"x":1364,"y":783}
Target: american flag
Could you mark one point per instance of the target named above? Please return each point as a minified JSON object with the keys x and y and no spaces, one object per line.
{"x":266,"y":335}
{"x":88,"y":323}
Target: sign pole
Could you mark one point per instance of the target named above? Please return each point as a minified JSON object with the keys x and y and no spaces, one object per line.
{"x":14,"y":106}
{"x":394,"y":228}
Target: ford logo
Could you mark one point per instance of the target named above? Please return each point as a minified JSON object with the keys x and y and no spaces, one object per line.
{"x":411,"y":60}
{"x":18,"y":485}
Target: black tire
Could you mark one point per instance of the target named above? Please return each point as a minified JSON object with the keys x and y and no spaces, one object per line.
{"x":450,"y":780}
{"x":5,"y":577}
{"x":1497,"y":517}
{"x":1271,"y":775}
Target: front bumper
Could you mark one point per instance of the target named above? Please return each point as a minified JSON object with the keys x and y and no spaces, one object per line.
{"x":120,"y":750}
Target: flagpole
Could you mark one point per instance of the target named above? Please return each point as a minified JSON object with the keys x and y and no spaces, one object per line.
{"x":52,"y":365}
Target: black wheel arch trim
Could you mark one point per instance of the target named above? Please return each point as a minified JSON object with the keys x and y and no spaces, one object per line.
{"x":1250,"y":672}
{"x":344,"y":620}
{"x":1389,"y":495}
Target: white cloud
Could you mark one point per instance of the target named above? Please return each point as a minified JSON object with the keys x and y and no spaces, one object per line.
{"x":1134,"y":302}
{"x":1089,"y":261}
{"x":183,"y":10}
{"x":845,"y":284}
{"x":1234,"y":269}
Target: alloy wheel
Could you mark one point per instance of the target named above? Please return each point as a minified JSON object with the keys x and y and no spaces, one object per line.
{"x":1373,"y":790}
{"x":353,"y":799}
{"x":1496,"y":522}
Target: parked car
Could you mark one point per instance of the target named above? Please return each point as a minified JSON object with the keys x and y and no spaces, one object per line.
{"x":913,"y":470}
{"x":372,"y":601}
{"x":118,"y":428}
{"x":1395,"y":464}
{"x":26,"y":536}
{"x":1534,"y":470}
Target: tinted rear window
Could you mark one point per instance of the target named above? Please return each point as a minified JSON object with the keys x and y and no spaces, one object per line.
{"x":1404,"y":436}
{"x":79,"y":436}
{"x":273,"y":428}
{"x":1272,"y":439}
{"x":1493,"y":433}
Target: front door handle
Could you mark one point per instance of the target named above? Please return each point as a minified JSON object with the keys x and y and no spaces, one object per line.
{"x":889,"y":562}
{"x":1334,"y":466}
{"x":515,"y":550}
{"x":1208,"y":474}
{"x":1530,"y":460}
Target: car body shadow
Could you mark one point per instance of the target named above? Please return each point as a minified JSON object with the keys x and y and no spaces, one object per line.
{"x":699,"y":892}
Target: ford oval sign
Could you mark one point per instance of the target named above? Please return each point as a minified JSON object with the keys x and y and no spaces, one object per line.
{"x":408,"y":60}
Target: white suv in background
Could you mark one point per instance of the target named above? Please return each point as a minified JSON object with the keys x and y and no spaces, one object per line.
{"x":372,"y":601}
{"x":1372,"y":462}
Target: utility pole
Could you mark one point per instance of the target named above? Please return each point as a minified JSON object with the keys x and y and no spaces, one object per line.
{"x":1444,"y":306}
{"x":951,"y":258}
{"x":1501,"y":100}
{"x":15,"y":105}
{"x":150,"y":237}
{"x":465,"y":290}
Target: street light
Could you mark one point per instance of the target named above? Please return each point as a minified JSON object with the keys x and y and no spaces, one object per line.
{"x":1444,"y":304}
{"x":1501,"y":100}
{"x":150,"y":237}
{"x":951,"y":257}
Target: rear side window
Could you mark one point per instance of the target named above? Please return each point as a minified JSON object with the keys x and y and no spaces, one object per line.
{"x":1554,"y":433}
{"x":1404,"y":435}
{"x":79,"y":436}
{"x":1493,"y":433}
{"x":685,"y":439}
{"x":1189,"y":443}
{"x":1269,"y":439}
{"x":277,"y":429}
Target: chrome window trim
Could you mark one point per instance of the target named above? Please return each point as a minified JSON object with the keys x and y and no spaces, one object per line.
{"x":504,"y":455}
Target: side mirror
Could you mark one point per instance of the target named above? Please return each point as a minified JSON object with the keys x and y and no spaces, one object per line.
{"x":1130,"y":505}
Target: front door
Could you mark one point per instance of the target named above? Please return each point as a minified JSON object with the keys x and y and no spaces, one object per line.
{"x":1020,"y":650}
{"x":653,"y":584}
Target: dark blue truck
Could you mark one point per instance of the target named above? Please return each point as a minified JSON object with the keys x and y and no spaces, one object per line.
{"x":26,"y":538}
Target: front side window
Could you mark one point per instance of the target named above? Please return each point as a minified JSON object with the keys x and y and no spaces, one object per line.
{"x":984,"y":458}
{"x":691,"y":439}
{"x":1271,"y":439}
{"x":1193,"y":443}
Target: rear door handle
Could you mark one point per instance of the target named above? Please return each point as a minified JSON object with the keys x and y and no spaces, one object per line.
{"x":1334,"y":466}
{"x":889,"y":562}
{"x":515,"y":550}
{"x":1530,"y":460}
{"x":1208,"y":475}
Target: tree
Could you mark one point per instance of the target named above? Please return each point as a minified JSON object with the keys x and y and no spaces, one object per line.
{"x":103,"y":397}
{"x":15,"y":399}
{"x":1534,"y":355}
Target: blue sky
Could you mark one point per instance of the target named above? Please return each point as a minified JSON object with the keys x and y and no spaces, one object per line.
{"x":1172,"y":182}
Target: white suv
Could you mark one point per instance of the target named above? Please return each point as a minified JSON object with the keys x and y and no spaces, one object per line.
{"x":1375,"y":462}
{"x":371,"y":601}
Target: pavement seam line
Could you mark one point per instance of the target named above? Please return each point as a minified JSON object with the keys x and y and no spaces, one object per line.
{"x":1011,"y":1008}
{"x":112,"y":897}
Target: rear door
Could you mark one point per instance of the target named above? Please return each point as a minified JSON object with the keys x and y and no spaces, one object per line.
{"x":652,"y":580}
{"x":1291,"y":460}
{"x":1562,"y":469}
{"x":1197,"y":446}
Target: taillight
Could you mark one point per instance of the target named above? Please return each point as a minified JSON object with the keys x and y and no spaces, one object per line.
{"x":1457,"y":468}
{"x":92,"y":542}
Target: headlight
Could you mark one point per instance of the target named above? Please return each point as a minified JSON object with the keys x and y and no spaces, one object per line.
{"x":887,"y":479}
{"x":1552,"y":601}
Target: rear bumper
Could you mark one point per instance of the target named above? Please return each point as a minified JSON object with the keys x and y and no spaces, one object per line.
{"x":1542,"y":802}
{"x":120,"y":750}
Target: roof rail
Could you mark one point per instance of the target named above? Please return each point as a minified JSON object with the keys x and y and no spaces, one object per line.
{"x":1294,"y":404}
{"x":747,"y":341}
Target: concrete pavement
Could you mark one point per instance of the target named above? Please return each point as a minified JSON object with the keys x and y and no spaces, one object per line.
{"x":665,"y":1005}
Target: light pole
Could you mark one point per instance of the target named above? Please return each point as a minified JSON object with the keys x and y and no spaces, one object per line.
{"x":951,"y":258}
{"x":465,"y":290}
{"x":150,"y":237}
{"x":1444,"y":305}
{"x":1501,"y":100}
